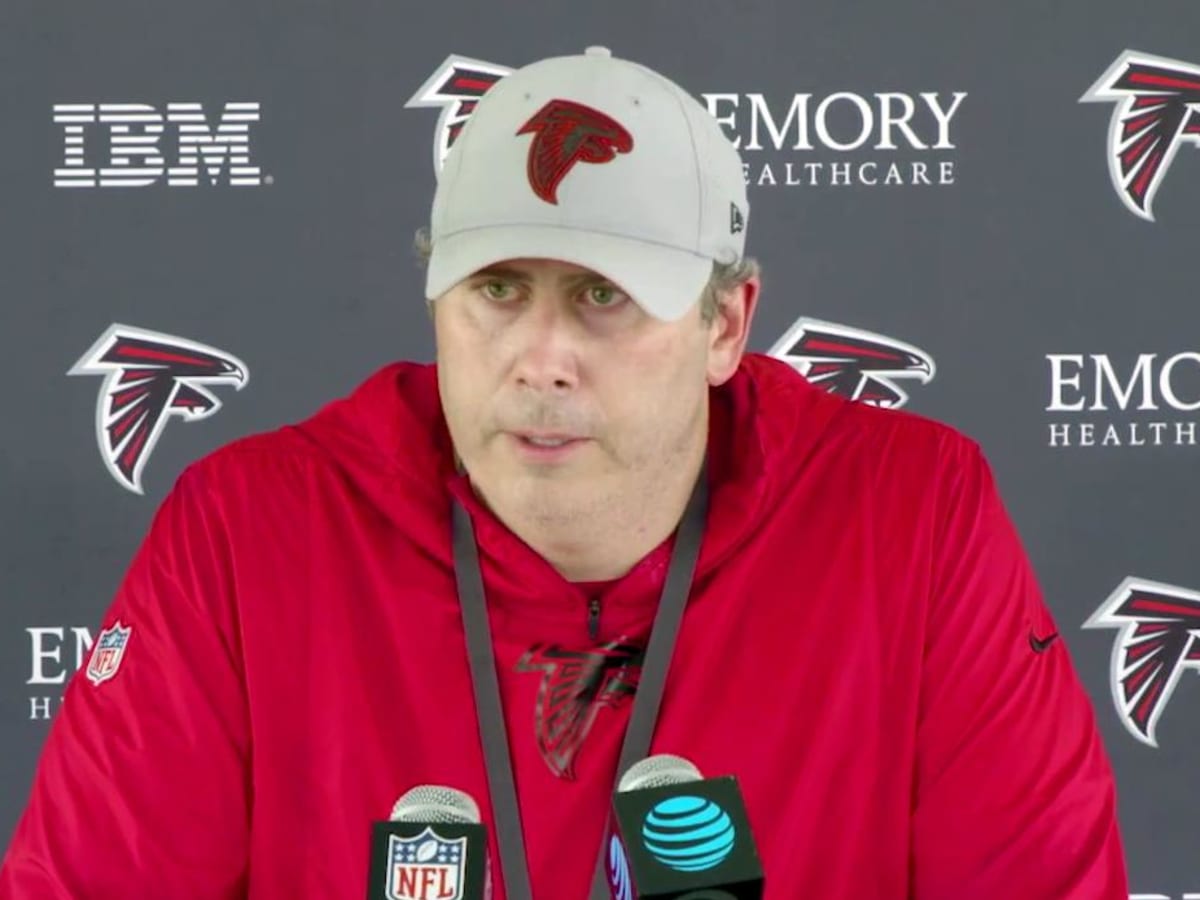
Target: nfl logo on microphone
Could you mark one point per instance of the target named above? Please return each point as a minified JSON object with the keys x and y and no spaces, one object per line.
{"x":426,"y":867}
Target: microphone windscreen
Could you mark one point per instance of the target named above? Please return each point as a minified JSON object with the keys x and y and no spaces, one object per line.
{"x":658,"y":771}
{"x":435,"y":803}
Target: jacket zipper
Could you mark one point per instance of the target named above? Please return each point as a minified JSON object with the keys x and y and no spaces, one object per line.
{"x":594,"y":618}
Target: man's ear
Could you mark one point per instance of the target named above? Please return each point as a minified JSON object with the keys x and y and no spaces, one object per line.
{"x":729,"y":330}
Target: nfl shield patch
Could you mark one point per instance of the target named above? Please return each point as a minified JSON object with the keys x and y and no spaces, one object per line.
{"x":108,"y":653}
{"x":426,"y":867}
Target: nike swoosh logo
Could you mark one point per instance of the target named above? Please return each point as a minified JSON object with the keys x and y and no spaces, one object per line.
{"x":1041,"y":645}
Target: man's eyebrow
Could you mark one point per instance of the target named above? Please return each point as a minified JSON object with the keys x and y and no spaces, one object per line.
{"x":502,"y":272}
{"x":577,"y":280}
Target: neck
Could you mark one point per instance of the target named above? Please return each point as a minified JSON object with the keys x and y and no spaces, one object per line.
{"x":608,"y":550}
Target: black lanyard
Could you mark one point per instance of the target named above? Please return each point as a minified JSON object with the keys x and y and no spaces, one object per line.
{"x":492,"y":731}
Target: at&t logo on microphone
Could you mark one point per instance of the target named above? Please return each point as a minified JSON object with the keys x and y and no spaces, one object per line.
{"x":688,"y":834}
{"x":676,"y":835}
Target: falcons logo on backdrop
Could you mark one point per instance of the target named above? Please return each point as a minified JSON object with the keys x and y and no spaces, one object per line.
{"x":852,"y":363}
{"x":455,"y":87}
{"x":575,"y":685}
{"x":565,"y":133}
{"x":149,"y":377}
{"x":1159,"y":637}
{"x":1157,"y":109}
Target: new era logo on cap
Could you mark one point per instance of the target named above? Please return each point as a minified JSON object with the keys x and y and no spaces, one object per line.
{"x":736,"y":221}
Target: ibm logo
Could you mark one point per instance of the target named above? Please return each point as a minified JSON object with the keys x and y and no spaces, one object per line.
{"x":134,"y":156}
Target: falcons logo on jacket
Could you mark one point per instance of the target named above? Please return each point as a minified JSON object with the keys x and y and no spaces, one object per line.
{"x":455,"y":87}
{"x":1157,"y":109}
{"x":1159,"y":637}
{"x":851,"y":363}
{"x":575,"y":685}
{"x":149,"y":377}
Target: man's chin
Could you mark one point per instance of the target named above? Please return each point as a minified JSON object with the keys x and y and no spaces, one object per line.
{"x":554,"y":504}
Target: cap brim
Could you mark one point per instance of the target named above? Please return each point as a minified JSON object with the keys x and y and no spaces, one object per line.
{"x":666,"y":282}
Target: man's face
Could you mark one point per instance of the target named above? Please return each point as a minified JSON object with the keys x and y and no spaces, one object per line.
{"x":563,"y":397}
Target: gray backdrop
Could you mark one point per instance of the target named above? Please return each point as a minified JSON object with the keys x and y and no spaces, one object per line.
{"x":1041,"y":295}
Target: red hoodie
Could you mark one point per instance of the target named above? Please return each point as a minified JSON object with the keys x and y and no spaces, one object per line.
{"x":857,"y":651}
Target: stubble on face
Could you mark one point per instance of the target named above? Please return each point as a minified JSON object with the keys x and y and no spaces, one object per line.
{"x":623,"y":471}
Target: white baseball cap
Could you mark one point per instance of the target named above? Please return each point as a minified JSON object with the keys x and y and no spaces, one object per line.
{"x":595,"y":161}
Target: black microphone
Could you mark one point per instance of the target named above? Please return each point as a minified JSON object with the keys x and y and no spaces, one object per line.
{"x":676,"y":835}
{"x":432,"y":848}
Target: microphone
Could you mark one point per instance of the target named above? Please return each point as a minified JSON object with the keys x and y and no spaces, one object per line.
{"x":432,"y":848}
{"x":676,"y":835}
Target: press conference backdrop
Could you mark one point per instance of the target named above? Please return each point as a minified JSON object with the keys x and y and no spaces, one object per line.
{"x":987,"y":214}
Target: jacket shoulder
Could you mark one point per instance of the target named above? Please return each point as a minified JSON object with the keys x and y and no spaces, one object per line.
{"x":262,"y":459}
{"x":901,"y":429}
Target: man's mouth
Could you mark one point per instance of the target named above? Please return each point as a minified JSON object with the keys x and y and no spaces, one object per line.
{"x":547,"y":440}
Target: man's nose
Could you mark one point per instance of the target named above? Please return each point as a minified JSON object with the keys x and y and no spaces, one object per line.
{"x":547,"y":346}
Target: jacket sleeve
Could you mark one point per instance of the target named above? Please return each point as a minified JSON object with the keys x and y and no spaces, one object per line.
{"x":141,"y":787}
{"x":1014,"y":791}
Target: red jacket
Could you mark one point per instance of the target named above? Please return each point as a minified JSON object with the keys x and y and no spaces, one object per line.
{"x":856,"y":651}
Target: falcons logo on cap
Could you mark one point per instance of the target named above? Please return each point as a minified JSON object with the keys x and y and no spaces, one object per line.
{"x":149,"y":377}
{"x":575,"y":685}
{"x":852,"y":363}
{"x":565,"y":133}
{"x":1159,"y":637}
{"x":455,"y":87}
{"x":1158,"y":108}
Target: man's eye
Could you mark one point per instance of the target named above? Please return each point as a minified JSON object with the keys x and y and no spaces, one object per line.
{"x":603,"y":295}
{"x":496,"y":290}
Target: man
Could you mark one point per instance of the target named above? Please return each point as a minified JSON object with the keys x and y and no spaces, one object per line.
{"x":864,"y":645}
